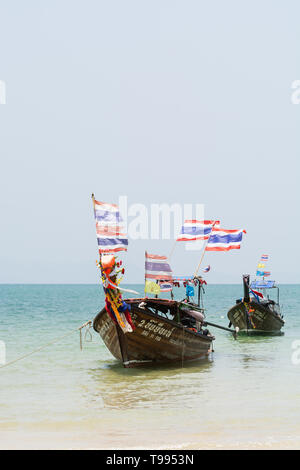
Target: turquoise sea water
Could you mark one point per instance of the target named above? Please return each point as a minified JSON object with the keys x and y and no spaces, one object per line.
{"x":247,"y":394}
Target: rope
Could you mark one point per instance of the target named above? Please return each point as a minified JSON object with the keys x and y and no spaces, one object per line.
{"x":88,"y":335}
{"x":88,"y":323}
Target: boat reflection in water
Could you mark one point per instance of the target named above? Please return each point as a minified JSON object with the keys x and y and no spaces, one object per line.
{"x":119,"y":388}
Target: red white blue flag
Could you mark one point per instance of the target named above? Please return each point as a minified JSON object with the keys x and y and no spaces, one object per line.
{"x":224,"y":240}
{"x":157,"y":267}
{"x":263,"y":273}
{"x":165,"y":286}
{"x":110,"y":233}
{"x":197,"y":230}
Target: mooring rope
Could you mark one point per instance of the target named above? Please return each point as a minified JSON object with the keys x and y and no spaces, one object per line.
{"x":56,"y":340}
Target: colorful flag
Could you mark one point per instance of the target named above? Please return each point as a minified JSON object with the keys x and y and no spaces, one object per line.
{"x":261,"y":265}
{"x":224,"y":240}
{"x":109,"y":228}
{"x":263,"y":273}
{"x":205,"y":270}
{"x":165,"y":286}
{"x":256,"y":293}
{"x":151,"y":287}
{"x":157,"y":267}
{"x":196,"y":230}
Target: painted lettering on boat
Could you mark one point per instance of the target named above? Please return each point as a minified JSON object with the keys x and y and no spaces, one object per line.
{"x":151,"y":328}
{"x":154,"y":329}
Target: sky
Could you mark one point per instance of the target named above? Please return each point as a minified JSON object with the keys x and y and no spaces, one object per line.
{"x":167,"y":101}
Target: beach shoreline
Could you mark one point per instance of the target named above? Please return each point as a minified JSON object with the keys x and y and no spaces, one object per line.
{"x":50,"y":440}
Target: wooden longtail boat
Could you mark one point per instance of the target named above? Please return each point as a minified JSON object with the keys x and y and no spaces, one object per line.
{"x":147,"y":331}
{"x":258,"y":314}
{"x":163,"y":333}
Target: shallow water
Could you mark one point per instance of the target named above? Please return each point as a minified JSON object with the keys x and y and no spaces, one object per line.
{"x":247,"y":394}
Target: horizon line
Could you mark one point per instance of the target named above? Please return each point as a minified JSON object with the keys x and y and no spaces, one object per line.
{"x":125,"y":283}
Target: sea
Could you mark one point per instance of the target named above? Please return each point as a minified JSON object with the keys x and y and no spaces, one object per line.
{"x":246,"y":395}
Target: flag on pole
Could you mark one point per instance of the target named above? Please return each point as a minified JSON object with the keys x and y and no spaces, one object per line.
{"x":151,"y":287}
{"x":165,"y":286}
{"x":110,"y":233}
{"x":256,"y":293}
{"x":196,"y":230}
{"x":157,"y":267}
{"x":224,"y":240}
{"x":263,"y":273}
{"x":261,"y":265}
{"x":207,"y":269}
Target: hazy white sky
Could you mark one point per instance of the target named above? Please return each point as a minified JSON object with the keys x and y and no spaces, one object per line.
{"x":162,"y":101}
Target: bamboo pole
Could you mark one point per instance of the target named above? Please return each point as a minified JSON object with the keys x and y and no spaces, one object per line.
{"x":172,"y":251}
{"x":198,"y":267}
{"x":93,"y":199}
{"x":100,"y":255}
{"x":201,"y":259}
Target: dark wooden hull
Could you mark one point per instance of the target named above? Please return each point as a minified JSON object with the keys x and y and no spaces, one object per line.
{"x":155,"y":340}
{"x":255,"y":318}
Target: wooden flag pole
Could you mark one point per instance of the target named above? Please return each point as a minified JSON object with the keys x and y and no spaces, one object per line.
{"x":198,"y":267}
{"x":172,"y":251}
{"x":201,"y":259}
{"x":94,"y":206}
{"x":93,"y":200}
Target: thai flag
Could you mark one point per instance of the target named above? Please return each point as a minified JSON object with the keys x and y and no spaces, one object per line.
{"x":165,"y":286}
{"x":197,"y":230}
{"x":224,"y":240}
{"x":109,"y":228}
{"x":157,"y":267}
{"x":205,"y":270}
{"x":264,"y":258}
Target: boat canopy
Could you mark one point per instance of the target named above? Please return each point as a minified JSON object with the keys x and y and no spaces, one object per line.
{"x":262,"y":284}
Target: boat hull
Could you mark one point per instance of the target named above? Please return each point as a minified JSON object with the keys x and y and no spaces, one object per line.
{"x":155,"y":340}
{"x":255,"y":318}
